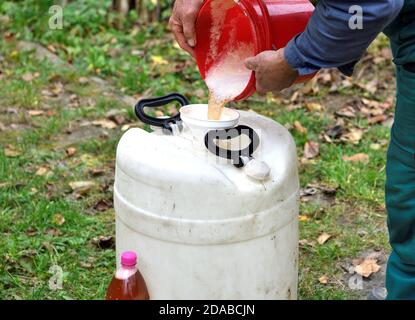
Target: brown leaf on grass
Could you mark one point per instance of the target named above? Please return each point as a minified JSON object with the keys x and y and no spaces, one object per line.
{"x":311,"y":87}
{"x":103,"y":205}
{"x":335,"y":132}
{"x":11,"y":152}
{"x":82,"y":187}
{"x":353,"y":136}
{"x":57,"y":88}
{"x":83,"y":80}
{"x":375,"y":146}
{"x":42,"y":171}
{"x":86,"y":265}
{"x":159,"y":114}
{"x":31,"y":232}
{"x":97,"y":172}
{"x":116,"y":116}
{"x":305,"y":243}
{"x":71,"y":151}
{"x":303,"y":218}
{"x":367,"y":268}
{"x":314,"y":107}
{"x":53,"y":232}
{"x":357,"y":158}
{"x":311,"y":150}
{"x":371,"y":86}
{"x":159,"y":60}
{"x":323,"y":279}
{"x":299,"y":127}
{"x":35,"y":113}
{"x":371,"y":103}
{"x":104,"y":242}
{"x":323,"y":238}
{"x":4,"y":184}
{"x":377,"y":119}
{"x":29,"y":77}
{"x":104,"y":123}
{"x":346,"y":112}
{"x":58,"y":219}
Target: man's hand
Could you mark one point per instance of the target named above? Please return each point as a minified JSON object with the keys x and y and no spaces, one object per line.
{"x":272,"y":71}
{"x":182,"y":23}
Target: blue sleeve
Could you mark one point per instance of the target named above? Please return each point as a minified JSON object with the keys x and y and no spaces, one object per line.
{"x":330,"y":42}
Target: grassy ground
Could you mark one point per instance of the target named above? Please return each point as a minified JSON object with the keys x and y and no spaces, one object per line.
{"x":50,"y":139}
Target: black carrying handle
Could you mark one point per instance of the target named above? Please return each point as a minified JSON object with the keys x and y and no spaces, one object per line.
{"x":160,"y":102}
{"x":228,"y":134}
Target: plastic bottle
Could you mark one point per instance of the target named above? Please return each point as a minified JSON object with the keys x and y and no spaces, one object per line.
{"x":128,"y":283}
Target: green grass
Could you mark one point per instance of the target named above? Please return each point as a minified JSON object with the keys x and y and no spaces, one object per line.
{"x":30,"y":203}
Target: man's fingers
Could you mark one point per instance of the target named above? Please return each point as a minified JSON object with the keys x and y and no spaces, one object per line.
{"x":189,"y":31}
{"x":180,"y":38}
{"x":251,"y":63}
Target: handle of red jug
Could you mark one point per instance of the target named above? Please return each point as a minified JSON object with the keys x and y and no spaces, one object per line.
{"x":164,"y":123}
{"x":225,"y":135}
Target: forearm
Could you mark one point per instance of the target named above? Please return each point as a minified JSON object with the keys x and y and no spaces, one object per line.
{"x":329,"y":41}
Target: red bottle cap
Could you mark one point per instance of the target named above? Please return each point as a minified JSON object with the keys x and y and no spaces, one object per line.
{"x":129,"y":258}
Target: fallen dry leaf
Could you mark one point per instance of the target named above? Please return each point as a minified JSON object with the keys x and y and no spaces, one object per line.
{"x":299,"y":127}
{"x":35,"y":113}
{"x":311,"y":87}
{"x":10,"y":152}
{"x":323,"y":279}
{"x":375,"y":146}
{"x":42,"y":171}
{"x":83,"y":80}
{"x":4,"y":184}
{"x":377,"y":119}
{"x":97,"y":172}
{"x":103,"y":205}
{"x":71,"y":151}
{"x":354,"y":136}
{"x":335,"y":132}
{"x":305,"y":242}
{"x":104,"y":242}
{"x":86,"y":265}
{"x":104,"y":123}
{"x":82,"y":187}
{"x":367,"y":267}
{"x":323,"y":238}
{"x":346,"y":112}
{"x":357,"y":158}
{"x":159,"y":60}
{"x":58,"y":219}
{"x":313,"y":107}
{"x":53,"y":232}
{"x":28,"y":77}
{"x":311,"y":150}
{"x":31,"y":232}
{"x":159,"y":114}
{"x":303,"y":218}
{"x":125,"y":127}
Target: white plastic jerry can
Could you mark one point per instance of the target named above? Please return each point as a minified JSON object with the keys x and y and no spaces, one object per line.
{"x":211,"y":207}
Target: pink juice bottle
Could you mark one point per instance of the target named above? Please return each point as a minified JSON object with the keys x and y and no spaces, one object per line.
{"x":128,"y":283}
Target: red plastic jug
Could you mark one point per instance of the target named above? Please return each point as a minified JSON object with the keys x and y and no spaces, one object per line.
{"x":252,"y":25}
